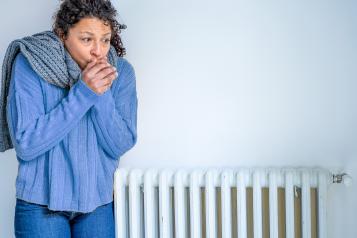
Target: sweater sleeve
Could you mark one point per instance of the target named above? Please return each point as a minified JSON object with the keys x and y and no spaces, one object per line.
{"x":114,"y":115}
{"x":32,"y":130}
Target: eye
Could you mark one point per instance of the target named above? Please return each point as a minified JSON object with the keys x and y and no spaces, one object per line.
{"x":86,"y":39}
{"x":107,"y":41}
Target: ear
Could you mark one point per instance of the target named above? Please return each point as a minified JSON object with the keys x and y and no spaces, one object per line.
{"x":62,"y":38}
{"x":61,"y":35}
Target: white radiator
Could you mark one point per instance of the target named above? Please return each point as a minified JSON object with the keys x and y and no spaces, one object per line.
{"x":184,"y":203}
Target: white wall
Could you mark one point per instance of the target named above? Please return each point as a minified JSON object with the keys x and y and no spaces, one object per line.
{"x":231,"y":83}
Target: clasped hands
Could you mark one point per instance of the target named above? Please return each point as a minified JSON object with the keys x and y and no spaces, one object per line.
{"x":99,"y":75}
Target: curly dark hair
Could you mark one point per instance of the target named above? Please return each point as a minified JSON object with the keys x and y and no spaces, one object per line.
{"x":72,"y":11}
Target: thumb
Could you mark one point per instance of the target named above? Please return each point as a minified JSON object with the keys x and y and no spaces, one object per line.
{"x":91,"y":63}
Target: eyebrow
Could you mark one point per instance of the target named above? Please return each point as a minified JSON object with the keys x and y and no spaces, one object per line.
{"x":90,"y":33}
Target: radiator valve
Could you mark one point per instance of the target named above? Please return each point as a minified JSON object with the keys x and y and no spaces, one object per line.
{"x":342,"y":178}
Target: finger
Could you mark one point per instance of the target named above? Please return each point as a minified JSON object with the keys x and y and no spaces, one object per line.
{"x":112,"y":76}
{"x":103,"y":89}
{"x":97,"y":67}
{"x":104,"y":60}
{"x":90,"y":64}
{"x":105,"y":72}
{"x":102,"y":84}
{"x":109,"y":86}
{"x":106,"y":85}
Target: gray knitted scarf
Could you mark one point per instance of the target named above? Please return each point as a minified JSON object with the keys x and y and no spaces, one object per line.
{"x":49,"y":59}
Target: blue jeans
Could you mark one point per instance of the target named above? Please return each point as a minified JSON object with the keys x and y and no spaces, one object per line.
{"x":34,"y":220}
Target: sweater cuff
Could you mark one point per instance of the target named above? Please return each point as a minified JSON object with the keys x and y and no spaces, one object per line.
{"x":86,"y":90}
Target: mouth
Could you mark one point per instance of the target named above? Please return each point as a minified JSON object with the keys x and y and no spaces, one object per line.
{"x":98,"y":59}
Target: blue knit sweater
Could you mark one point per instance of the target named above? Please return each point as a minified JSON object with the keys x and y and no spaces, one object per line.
{"x":68,"y":142}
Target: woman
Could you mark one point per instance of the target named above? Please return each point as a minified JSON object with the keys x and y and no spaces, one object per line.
{"x":70,"y":114}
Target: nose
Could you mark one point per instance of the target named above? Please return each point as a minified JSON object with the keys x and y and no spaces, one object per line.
{"x":96,"y":50}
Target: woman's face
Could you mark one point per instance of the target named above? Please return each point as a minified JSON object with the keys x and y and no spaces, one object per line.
{"x":88,"y":39}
